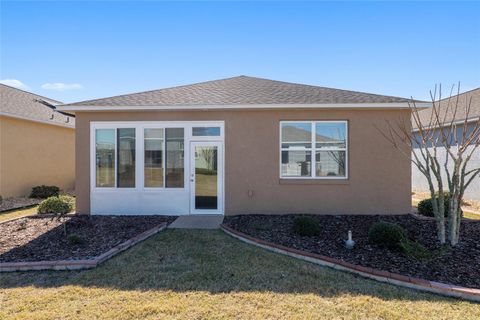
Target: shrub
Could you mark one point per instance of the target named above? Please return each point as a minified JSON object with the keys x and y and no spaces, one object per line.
{"x":306,"y":226}
{"x":415,"y":250}
{"x":425,"y":207}
{"x":387,"y":235}
{"x":74,"y":239}
{"x":43,"y":192}
{"x":57,"y":205}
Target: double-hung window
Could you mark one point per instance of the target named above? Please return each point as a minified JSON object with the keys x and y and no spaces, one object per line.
{"x":313,"y":149}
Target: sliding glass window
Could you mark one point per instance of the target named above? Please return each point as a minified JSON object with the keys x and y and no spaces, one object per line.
{"x":105,"y":158}
{"x":115,"y":169}
{"x":126,"y":158}
{"x":153,"y":166}
{"x":174,"y":150}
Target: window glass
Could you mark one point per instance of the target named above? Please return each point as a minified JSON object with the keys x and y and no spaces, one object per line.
{"x":153,"y":166}
{"x":297,"y":135}
{"x":206,"y":131}
{"x":330,"y":164}
{"x":296,"y":163}
{"x":329,"y":149}
{"x":330,"y":135}
{"x":174,"y":148}
{"x":126,"y":158}
{"x":105,"y":157}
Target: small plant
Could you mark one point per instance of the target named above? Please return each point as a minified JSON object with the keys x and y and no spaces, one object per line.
{"x":417,"y":251}
{"x":56,"y":205}
{"x":43,"y":192}
{"x":387,"y":235}
{"x":59,"y":207}
{"x":306,"y":226}
{"x":1,"y":199}
{"x":22,"y":225}
{"x":74,"y":239}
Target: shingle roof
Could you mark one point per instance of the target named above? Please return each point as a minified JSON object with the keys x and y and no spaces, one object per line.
{"x":21,"y":104}
{"x":241,"y":90}
{"x":448,"y":104}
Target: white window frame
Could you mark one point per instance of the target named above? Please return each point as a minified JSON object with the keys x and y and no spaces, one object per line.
{"x":139,"y":127}
{"x":313,"y":149}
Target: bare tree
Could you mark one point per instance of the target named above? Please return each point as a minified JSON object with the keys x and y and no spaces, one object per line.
{"x":441,"y":131}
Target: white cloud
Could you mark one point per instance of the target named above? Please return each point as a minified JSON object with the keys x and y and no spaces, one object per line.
{"x":58,"y":86}
{"x":15,"y":83}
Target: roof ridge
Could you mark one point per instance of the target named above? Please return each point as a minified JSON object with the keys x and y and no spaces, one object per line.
{"x":28,"y":92}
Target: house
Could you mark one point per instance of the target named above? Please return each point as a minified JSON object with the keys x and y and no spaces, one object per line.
{"x":419,"y":182}
{"x":240,"y":145}
{"x":37,"y":143}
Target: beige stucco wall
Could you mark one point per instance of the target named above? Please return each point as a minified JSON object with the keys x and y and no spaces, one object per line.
{"x":32,"y":154}
{"x":379,"y":175}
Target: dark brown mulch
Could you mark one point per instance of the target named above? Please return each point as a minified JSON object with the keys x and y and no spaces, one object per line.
{"x":459,"y":265}
{"x":42,"y":238}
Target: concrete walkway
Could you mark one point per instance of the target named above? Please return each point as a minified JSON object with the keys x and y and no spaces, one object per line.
{"x":204,"y":221}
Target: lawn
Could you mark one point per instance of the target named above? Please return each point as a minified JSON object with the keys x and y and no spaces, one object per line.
{"x":17,"y":213}
{"x":191,"y":274}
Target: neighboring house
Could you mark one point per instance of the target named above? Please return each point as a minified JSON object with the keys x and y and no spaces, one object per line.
{"x":37,"y":144}
{"x":419,"y":182}
{"x":241,"y":145}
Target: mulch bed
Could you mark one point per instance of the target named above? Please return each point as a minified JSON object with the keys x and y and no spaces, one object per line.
{"x":459,"y":265}
{"x":42,"y":238}
{"x":16,"y":203}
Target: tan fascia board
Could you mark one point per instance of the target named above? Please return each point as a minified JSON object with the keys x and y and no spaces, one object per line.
{"x":403,"y":105}
{"x":15,"y":116}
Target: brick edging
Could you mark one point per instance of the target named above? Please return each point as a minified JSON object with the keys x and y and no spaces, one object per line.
{"x":80,"y":264}
{"x":450,"y":290}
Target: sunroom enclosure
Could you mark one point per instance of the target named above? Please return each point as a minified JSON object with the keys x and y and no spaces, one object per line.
{"x":171,"y":167}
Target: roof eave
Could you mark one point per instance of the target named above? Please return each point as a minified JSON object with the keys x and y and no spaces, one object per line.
{"x":52,"y":123}
{"x":391,"y":105}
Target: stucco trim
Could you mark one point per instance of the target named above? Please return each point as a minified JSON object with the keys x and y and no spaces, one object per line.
{"x":402,"y":105}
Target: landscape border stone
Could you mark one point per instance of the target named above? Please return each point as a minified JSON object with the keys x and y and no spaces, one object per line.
{"x":80,"y":264}
{"x":449,"y":290}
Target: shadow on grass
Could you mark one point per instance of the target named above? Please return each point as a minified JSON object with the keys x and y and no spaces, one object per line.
{"x":206,"y":260}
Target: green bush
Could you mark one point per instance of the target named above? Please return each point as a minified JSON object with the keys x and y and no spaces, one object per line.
{"x":387,"y":235}
{"x":74,"y":239}
{"x":43,"y":192}
{"x":57,"y":205}
{"x":306,"y":226}
{"x":425,"y":207}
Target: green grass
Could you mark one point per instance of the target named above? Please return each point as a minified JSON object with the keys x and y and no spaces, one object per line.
{"x":195,"y":274}
{"x":17,"y":213}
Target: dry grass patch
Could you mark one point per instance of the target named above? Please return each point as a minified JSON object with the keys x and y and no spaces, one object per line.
{"x":191,"y":274}
{"x":8,"y":215}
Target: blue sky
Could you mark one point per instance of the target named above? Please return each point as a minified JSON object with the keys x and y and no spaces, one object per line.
{"x":73,"y":51}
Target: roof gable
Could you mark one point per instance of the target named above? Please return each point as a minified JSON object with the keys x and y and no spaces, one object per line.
{"x":25,"y":105}
{"x":447,"y":105}
{"x":241,"y":90}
